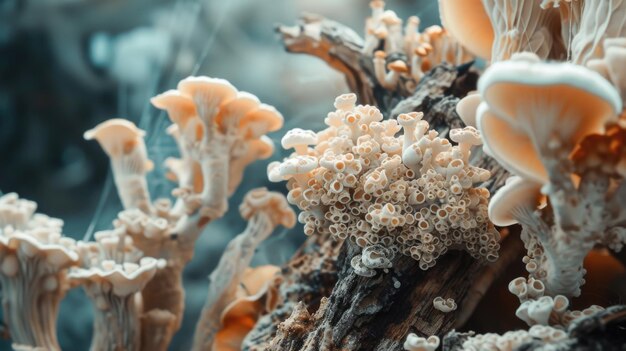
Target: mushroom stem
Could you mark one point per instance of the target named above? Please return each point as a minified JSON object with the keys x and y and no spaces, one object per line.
{"x":301,"y":149}
{"x":29,"y":309}
{"x":116,"y":326}
{"x":226,"y":277}
{"x":215,"y":164}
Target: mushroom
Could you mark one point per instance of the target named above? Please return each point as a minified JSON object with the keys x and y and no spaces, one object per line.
{"x":254,"y":297}
{"x":418,"y":343}
{"x":298,"y":168}
{"x":345,"y":102}
{"x":179,"y":107}
{"x":444,"y":305}
{"x":299,"y":140}
{"x":611,"y":66}
{"x":208,"y":94}
{"x":234,"y":110}
{"x":409,"y":121}
{"x":256,"y":149}
{"x":526,"y":104}
{"x":466,"y":138}
{"x":261,"y":121}
{"x":123,"y":142}
{"x":466,"y":108}
{"x":515,"y":201}
{"x":264,"y":211}
{"x":522,"y":25}
{"x":468,"y":22}
{"x":34,"y":259}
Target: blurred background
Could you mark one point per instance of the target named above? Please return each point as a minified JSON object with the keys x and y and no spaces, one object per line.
{"x":66,"y":65}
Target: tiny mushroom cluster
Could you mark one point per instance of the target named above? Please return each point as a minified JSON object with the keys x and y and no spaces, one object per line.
{"x":413,"y":194}
{"x":403,"y":57}
{"x":512,"y":340}
{"x":34,"y":259}
{"x":418,"y":343}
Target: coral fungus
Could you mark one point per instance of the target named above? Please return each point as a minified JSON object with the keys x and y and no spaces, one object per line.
{"x":414,"y":195}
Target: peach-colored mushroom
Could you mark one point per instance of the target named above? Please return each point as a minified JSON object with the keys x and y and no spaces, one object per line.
{"x":468,"y":22}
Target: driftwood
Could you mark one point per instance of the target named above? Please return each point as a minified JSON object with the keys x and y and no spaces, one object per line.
{"x":323,"y":304}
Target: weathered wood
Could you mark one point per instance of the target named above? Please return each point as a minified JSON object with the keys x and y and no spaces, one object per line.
{"x":602,"y":331}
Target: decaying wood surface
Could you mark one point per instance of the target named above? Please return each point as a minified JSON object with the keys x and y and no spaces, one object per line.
{"x":323,"y":304}
{"x":603,"y":331}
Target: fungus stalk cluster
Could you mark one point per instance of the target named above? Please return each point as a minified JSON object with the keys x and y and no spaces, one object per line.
{"x":219,"y":131}
{"x":413,"y":194}
{"x":546,"y":123}
{"x":401,"y":56}
{"x":113,"y":273}
{"x":34,"y":259}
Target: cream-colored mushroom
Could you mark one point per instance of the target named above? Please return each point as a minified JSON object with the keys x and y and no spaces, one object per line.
{"x":264,"y":211}
{"x":418,"y":343}
{"x":468,"y":22}
{"x":527,"y":103}
{"x":261,"y":121}
{"x":467,"y":108}
{"x":466,"y":138}
{"x":256,"y":149}
{"x":208,"y":94}
{"x":123,"y":142}
{"x":34,"y":259}
{"x":515,"y":201}
{"x":181,"y":110}
{"x":298,"y":168}
{"x":299,"y":140}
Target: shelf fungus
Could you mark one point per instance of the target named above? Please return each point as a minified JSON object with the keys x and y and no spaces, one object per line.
{"x":219,"y":131}
{"x":547,"y":123}
{"x":34,"y":259}
{"x":113,"y":273}
{"x":412,"y":195}
{"x":237,"y":293}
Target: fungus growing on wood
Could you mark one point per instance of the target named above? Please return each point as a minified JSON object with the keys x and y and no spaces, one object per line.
{"x":219,"y":131}
{"x":418,"y":343}
{"x":537,"y":118}
{"x":113,"y":273}
{"x":34,"y":258}
{"x":412,"y":194}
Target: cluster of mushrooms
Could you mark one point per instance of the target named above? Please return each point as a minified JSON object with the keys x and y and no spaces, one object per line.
{"x":548,"y":109}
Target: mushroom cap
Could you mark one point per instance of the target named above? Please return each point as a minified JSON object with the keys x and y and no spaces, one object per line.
{"x":468,"y":135}
{"x":273,"y":173}
{"x":398,"y":66}
{"x":298,"y":136}
{"x":238,"y":107}
{"x":516,"y":193}
{"x":510,"y":146}
{"x":219,"y":90}
{"x":180,"y":107}
{"x":262,"y":120}
{"x":409,"y":119}
{"x":262,"y":147}
{"x":345,"y":101}
{"x":116,"y":136}
{"x":274,"y":204}
{"x":125,"y":279}
{"x":527,"y":102}
{"x":466,"y":108}
{"x":468,"y":22}
{"x":297,"y":165}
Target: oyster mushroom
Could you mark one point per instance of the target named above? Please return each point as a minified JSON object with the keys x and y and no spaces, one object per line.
{"x":261,"y":121}
{"x":208,"y":94}
{"x":528,"y":105}
{"x":466,"y":108}
{"x":468,"y":22}
{"x":515,"y":201}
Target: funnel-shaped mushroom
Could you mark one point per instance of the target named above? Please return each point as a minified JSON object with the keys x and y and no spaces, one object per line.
{"x":261,"y":121}
{"x":467,"y":108}
{"x":234,"y":110}
{"x":468,"y":22}
{"x":123,"y":142}
{"x":208,"y":94}
{"x":34,"y":259}
{"x":112,"y":273}
{"x":264,"y":211}
{"x":179,"y":107}
{"x":530,"y":105}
